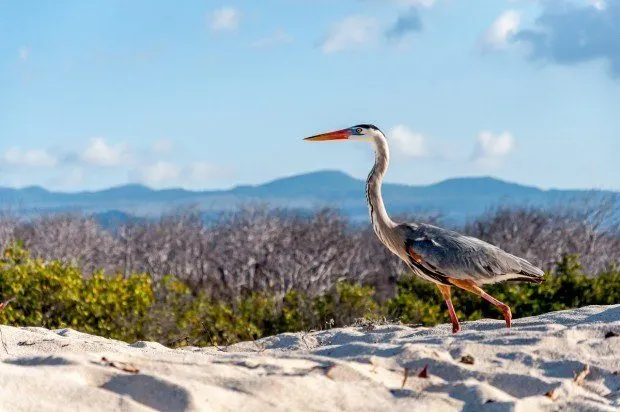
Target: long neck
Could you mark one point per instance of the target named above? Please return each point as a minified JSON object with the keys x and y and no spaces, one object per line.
{"x":379,"y":218}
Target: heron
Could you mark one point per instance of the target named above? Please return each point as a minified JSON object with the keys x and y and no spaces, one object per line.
{"x":444,"y":257}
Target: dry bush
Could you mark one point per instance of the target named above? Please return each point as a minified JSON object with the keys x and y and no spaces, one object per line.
{"x":262,"y":249}
{"x":254,"y":249}
{"x":590,"y":229}
{"x":7,"y":229}
{"x":71,"y":239}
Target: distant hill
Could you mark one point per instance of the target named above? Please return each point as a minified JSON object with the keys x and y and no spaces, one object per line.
{"x":457,"y":199}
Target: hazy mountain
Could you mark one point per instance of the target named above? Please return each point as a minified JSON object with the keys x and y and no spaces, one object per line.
{"x":457,"y":199}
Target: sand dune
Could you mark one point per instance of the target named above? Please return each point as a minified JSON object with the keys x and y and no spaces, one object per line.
{"x":486,"y":367}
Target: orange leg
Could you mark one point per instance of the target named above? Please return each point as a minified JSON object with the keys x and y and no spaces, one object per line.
{"x":470,"y":286}
{"x":445,"y":291}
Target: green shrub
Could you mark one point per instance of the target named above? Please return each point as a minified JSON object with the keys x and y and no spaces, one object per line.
{"x":416,"y":302}
{"x":298,"y":312}
{"x":341,"y":306}
{"x":57,"y":295}
{"x":347,"y":303}
{"x":216,"y":323}
{"x":171,"y":315}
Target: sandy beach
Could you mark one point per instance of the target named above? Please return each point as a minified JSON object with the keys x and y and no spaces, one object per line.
{"x":537,"y":365}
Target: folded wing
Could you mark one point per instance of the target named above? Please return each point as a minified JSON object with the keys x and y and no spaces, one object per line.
{"x":441,"y":253}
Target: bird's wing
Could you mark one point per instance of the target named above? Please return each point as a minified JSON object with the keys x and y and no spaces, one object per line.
{"x":450,"y":254}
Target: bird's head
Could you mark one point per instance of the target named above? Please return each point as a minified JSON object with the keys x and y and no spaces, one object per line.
{"x":361,"y":132}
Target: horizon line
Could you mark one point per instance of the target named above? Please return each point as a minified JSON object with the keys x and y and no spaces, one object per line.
{"x":293,"y":176}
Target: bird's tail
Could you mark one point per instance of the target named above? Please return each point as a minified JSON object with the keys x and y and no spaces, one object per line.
{"x":529,"y":273}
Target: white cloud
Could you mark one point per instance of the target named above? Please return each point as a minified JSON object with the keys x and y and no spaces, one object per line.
{"x":189,"y":175}
{"x":407,"y":142}
{"x":24,"y":53}
{"x":351,"y":32}
{"x":99,"y":153}
{"x":598,"y":4}
{"x":161,"y":172}
{"x":162,"y":146}
{"x":225,"y":19}
{"x":203,"y":171}
{"x":278,"y":38}
{"x":33,"y":158}
{"x":505,"y":26}
{"x":491,"y":148}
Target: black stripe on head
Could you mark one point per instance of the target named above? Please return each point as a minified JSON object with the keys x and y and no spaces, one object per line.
{"x":367,"y":126}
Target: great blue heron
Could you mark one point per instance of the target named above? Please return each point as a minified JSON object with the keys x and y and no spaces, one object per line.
{"x":444,"y":257}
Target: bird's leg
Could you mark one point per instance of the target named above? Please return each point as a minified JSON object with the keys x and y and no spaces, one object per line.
{"x":470,"y":286}
{"x":445,"y":291}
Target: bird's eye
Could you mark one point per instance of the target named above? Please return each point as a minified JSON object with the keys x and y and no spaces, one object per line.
{"x":359,"y":130}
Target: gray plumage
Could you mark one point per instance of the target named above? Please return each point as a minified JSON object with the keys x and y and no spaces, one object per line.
{"x":431,"y":252}
{"x":448,"y":254}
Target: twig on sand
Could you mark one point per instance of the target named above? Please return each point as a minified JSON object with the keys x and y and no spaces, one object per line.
{"x":2,"y":306}
{"x":552,"y":395}
{"x":260,"y":347}
{"x":221,"y":348}
{"x":303,"y":339}
{"x":467,"y":359}
{"x":582,"y":375}
{"x":6,"y":349}
{"x":206,"y":331}
{"x":422,"y":374}
{"x":406,"y":375}
{"x":125,"y":367}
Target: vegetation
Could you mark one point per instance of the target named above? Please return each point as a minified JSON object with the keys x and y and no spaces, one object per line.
{"x":54,"y":294}
{"x":183,"y":280}
{"x":262,"y":250}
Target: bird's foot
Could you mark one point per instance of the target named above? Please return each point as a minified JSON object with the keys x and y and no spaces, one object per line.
{"x":455,"y":321}
{"x":507,"y":315}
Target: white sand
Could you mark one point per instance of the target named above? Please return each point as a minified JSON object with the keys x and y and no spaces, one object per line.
{"x":341,"y":369}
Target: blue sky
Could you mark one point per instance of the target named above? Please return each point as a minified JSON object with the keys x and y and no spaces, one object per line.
{"x":213,"y":94}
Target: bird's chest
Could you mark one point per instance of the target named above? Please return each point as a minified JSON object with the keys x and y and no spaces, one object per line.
{"x":391,"y":244}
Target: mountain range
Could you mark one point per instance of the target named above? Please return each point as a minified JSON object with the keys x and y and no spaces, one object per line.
{"x":456,"y":199}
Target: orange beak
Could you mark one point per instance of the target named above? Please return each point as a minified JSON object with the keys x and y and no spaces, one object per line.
{"x":337,"y":135}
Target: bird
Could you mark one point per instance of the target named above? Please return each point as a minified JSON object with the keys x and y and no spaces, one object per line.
{"x":445,"y":257}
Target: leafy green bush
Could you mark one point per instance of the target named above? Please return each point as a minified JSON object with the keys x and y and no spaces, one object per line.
{"x":298,"y":312}
{"x":57,"y":295}
{"x":344,"y":305}
{"x":416,"y":302}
